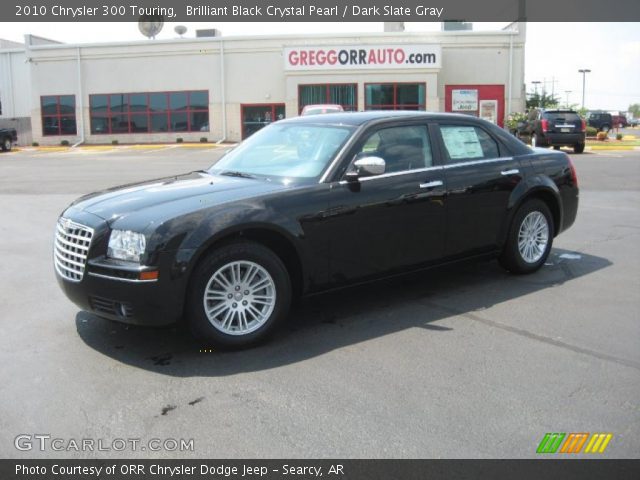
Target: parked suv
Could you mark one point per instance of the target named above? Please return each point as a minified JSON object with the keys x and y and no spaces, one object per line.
{"x":601,"y":121}
{"x":8,"y":136}
{"x":556,"y":128}
{"x":619,"y":121}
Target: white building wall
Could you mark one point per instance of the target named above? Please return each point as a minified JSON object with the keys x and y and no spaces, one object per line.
{"x":253,"y":74}
{"x":14,"y":84}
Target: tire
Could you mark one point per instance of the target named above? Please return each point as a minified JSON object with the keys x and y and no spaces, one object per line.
{"x":514,"y":256}
{"x":7,"y":145}
{"x":556,"y":147}
{"x":536,"y":141}
{"x":254,"y":266}
{"x":578,"y":148}
{"x":606,"y":128}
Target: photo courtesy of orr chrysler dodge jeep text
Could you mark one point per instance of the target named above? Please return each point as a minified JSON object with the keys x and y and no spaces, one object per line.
{"x":306,"y":205}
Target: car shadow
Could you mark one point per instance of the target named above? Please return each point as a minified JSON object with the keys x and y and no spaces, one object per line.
{"x":331,"y":321}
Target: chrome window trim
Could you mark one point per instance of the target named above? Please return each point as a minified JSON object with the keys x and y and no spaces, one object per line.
{"x":129,"y":280}
{"x":396,"y":174}
{"x":434,"y":168}
{"x":478,"y":162}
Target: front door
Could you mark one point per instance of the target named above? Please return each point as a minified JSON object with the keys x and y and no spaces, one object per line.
{"x":391,"y":221}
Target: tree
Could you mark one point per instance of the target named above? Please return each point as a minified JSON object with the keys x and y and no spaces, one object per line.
{"x":634,"y":109}
{"x":542,"y":100}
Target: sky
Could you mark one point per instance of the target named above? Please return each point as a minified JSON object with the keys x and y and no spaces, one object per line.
{"x":554,"y":51}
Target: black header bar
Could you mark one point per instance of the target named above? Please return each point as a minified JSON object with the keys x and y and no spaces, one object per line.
{"x":547,"y":469}
{"x":322,"y":10}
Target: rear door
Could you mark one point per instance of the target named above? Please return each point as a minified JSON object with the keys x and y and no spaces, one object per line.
{"x":480,"y":176}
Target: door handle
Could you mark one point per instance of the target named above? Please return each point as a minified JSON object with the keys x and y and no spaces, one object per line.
{"x":514,"y":171}
{"x":435,"y":183}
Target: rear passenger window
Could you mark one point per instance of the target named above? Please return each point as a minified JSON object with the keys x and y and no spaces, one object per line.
{"x":466,"y":143}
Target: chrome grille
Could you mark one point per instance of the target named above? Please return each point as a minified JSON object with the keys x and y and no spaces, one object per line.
{"x":71,"y":248}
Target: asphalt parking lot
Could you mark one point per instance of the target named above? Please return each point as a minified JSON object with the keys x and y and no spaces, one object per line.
{"x":463,"y":362}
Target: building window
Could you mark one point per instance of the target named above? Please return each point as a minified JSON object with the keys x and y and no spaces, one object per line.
{"x":58,"y":114}
{"x":155,"y":112}
{"x":395,"y":96}
{"x":257,"y":116}
{"x":332,"y":93}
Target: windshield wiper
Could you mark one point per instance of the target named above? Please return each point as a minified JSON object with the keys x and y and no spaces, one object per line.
{"x":233,"y":173}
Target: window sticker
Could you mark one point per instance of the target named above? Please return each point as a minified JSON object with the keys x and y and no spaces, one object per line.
{"x":462,"y":142}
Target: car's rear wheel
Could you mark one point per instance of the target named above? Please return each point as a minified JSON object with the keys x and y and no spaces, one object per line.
{"x":7,"y":144}
{"x":530,"y":238}
{"x":606,"y":128}
{"x":238,"y":295}
{"x":578,"y":148}
{"x":556,"y":147}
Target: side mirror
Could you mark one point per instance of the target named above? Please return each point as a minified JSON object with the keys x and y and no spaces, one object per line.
{"x":367,"y":167}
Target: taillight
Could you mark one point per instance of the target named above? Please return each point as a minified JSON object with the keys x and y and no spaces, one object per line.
{"x":545,"y":125}
{"x":584,"y":125}
{"x":574,"y":177}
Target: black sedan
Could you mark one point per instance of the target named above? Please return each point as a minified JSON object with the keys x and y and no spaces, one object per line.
{"x":306,"y":205}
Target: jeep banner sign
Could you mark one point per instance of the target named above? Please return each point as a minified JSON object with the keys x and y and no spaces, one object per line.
{"x":464,"y":100}
{"x":346,"y":57}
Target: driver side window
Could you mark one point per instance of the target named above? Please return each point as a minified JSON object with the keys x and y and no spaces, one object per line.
{"x":402,"y":148}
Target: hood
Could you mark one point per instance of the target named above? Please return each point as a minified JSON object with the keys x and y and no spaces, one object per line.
{"x":203,"y":188}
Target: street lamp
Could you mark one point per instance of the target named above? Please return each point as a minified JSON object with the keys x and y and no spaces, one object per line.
{"x":535,"y":85}
{"x":584,"y":72}
{"x":568,"y":92}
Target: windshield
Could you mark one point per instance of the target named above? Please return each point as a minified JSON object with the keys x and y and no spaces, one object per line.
{"x":286,"y":151}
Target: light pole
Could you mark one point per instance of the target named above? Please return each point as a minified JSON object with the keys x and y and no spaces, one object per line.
{"x":567,"y":92}
{"x":584,"y":72}
{"x":535,"y":85}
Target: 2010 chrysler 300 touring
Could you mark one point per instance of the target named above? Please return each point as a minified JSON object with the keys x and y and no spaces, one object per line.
{"x":306,"y":205}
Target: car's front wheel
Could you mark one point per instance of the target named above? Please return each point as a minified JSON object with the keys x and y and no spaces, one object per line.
{"x":530,"y":238}
{"x":7,"y":144}
{"x":238,"y":295}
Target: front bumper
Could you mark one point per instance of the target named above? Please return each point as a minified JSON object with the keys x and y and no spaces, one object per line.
{"x":140,"y":303}
{"x":112,"y":289}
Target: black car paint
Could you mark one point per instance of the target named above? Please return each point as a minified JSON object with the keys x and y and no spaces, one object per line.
{"x":330,"y":233}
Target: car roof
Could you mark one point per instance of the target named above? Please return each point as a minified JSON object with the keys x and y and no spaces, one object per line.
{"x":360,"y":118}
{"x":323,"y":105}
{"x":560,"y":110}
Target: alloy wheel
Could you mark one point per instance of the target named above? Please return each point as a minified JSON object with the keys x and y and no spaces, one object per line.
{"x":533,"y":237}
{"x":239,"y":297}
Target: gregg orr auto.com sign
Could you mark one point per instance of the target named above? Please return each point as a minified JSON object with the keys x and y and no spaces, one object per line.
{"x":346,"y":57}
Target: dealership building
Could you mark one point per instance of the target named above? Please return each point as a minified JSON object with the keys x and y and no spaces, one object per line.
{"x":225,"y":88}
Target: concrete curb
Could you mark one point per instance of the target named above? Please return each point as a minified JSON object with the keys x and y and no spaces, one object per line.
{"x":151,"y":146}
{"x":611,"y":148}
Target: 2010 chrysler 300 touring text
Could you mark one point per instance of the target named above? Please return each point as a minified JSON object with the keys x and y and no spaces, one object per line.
{"x":306,"y":205}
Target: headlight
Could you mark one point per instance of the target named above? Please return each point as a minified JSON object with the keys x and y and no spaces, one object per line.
{"x":126,"y":245}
